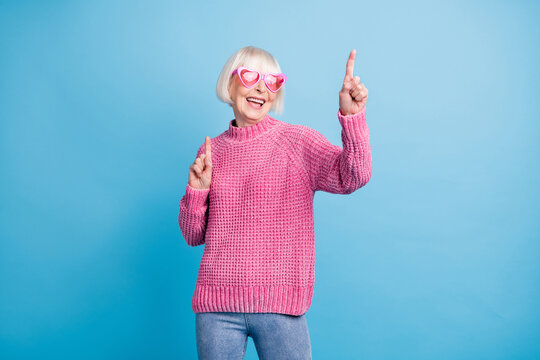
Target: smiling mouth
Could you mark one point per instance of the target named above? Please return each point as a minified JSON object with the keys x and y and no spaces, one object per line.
{"x":255,"y":102}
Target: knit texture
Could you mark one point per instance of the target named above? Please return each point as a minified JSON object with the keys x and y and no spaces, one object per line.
{"x":256,"y":219}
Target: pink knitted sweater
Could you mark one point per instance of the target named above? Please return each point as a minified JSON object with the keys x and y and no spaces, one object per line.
{"x":256,"y":219}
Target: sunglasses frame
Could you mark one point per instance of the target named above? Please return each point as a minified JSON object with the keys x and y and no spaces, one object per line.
{"x":261,"y":77}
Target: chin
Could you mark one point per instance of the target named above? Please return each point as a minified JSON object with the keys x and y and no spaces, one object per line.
{"x":256,"y":114}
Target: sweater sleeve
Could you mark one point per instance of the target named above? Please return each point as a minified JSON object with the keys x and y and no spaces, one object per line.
{"x":193,"y":214}
{"x":339,"y":170}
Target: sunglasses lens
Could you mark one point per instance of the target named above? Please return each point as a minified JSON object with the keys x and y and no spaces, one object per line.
{"x":274,"y":81}
{"x":249,"y":77}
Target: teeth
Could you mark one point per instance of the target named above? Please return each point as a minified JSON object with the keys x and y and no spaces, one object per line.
{"x":256,"y":100}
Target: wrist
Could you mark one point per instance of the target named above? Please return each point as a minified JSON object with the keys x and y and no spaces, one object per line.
{"x":349,"y":113}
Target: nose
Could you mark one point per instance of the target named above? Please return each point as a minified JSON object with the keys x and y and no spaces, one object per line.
{"x":261,"y":86}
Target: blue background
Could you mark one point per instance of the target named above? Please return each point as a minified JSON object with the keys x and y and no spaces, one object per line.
{"x":104,"y":104}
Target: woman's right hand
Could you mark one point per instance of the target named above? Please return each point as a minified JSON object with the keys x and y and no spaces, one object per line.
{"x":200,"y":172}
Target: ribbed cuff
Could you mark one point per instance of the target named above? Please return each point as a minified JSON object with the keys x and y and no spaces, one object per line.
{"x":354,"y":126}
{"x":195,"y":199}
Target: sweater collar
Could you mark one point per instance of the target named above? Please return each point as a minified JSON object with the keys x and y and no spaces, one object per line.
{"x":235,"y":133}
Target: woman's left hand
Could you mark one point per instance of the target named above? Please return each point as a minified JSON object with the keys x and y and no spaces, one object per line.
{"x":353,"y":94}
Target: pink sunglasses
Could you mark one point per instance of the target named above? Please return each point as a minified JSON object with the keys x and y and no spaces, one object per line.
{"x":250,"y":78}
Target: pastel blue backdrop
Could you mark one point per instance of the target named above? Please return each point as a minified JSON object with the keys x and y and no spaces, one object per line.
{"x":104,"y":104}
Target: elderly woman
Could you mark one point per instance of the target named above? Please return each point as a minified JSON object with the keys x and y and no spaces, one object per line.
{"x":249,"y":199}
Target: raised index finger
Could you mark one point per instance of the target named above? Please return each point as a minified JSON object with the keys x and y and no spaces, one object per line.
{"x":350,"y":65}
{"x":208,"y":147}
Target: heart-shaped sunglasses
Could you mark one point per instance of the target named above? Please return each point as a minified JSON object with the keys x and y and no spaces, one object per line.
{"x":250,"y":78}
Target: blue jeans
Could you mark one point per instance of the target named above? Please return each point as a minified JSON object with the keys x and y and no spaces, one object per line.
{"x":224,"y":335}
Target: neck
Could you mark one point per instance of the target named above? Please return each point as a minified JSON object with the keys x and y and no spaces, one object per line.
{"x":241,"y":121}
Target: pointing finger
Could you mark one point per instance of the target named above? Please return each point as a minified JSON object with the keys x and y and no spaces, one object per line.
{"x":350,"y":65}
{"x":208,"y":148}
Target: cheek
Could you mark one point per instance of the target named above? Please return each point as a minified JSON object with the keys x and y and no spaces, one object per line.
{"x":241,"y":93}
{"x":236,"y":91}
{"x":271,"y":99}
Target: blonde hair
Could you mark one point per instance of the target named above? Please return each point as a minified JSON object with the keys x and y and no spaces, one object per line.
{"x":253,"y":58}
